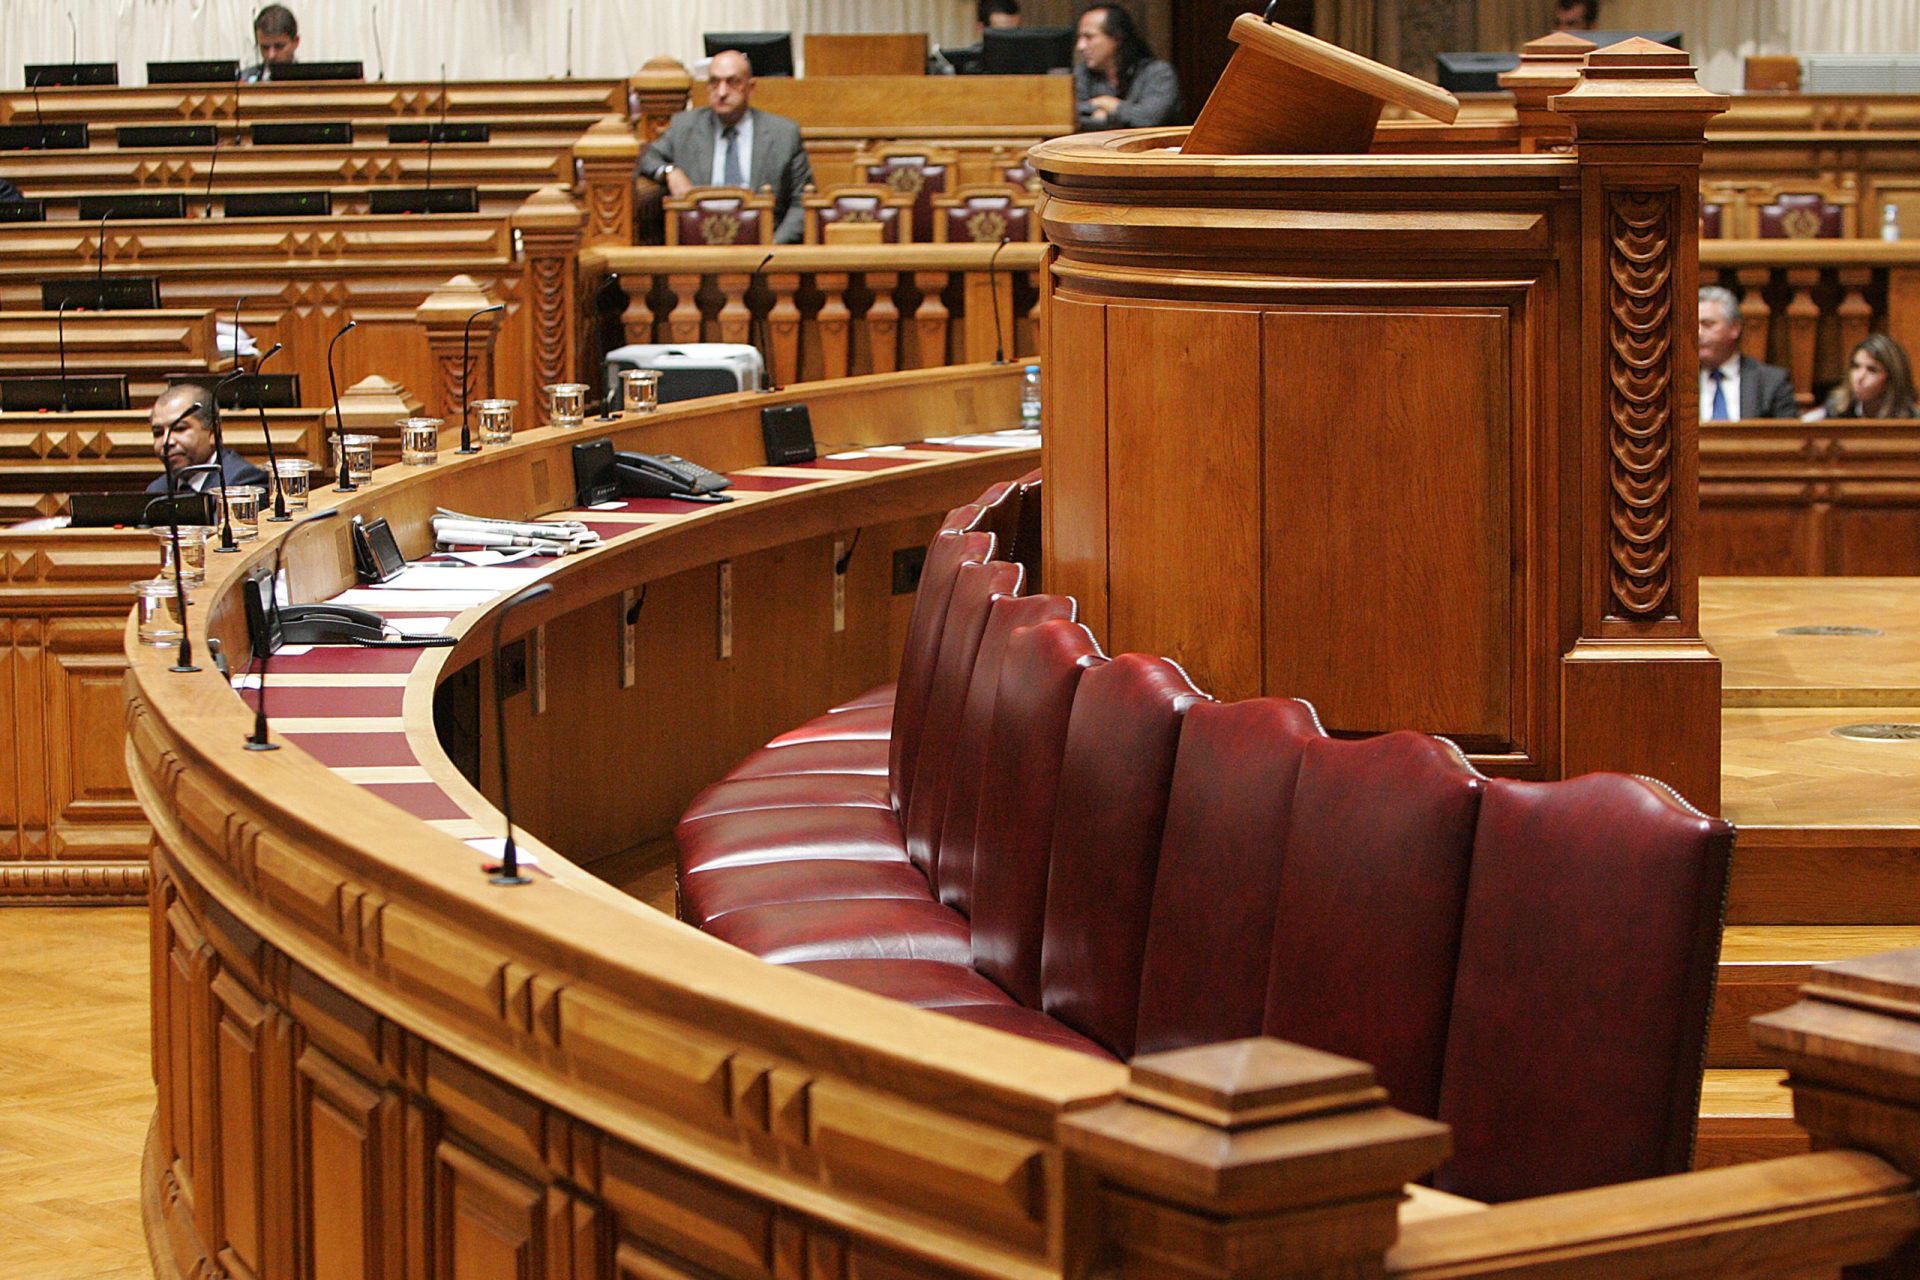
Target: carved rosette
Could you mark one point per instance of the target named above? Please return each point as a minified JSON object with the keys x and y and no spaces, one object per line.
{"x":1640,"y":402}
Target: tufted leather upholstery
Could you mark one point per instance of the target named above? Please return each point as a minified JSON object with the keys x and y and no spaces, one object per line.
{"x":720,"y":216}
{"x":891,"y":211}
{"x":1219,"y":879}
{"x":927,"y":984}
{"x":857,"y":929}
{"x":1808,"y":216}
{"x":984,"y":214}
{"x":787,"y":835}
{"x":919,"y":172}
{"x":1586,"y":967}
{"x":1106,"y":843}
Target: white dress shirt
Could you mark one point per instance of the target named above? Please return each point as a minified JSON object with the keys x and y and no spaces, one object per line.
{"x":1730,"y":381}
{"x":743,"y":141}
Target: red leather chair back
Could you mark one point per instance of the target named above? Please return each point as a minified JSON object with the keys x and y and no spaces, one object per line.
{"x":985,"y":219}
{"x":975,"y":587}
{"x":1801,"y":217}
{"x":855,"y":206}
{"x":915,"y":175}
{"x":1027,"y":542}
{"x":1106,"y":843}
{"x":1712,"y":221}
{"x":722,"y":220}
{"x":953,"y":872}
{"x":1019,"y":788}
{"x":945,"y":554}
{"x":1372,"y":886}
{"x":999,"y":515}
{"x":1585,"y":978}
{"x":1219,"y":878}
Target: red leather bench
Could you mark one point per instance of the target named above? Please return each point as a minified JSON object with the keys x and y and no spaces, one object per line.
{"x":1028,"y":834}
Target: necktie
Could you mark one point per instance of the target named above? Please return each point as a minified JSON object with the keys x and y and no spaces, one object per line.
{"x":730,"y":159}
{"x":1719,"y":411}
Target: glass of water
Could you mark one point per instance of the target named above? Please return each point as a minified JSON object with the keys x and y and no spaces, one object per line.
{"x":567,"y":404}
{"x":419,"y":441}
{"x":496,"y":420}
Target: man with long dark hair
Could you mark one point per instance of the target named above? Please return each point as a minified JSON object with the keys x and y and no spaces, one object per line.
{"x":1118,"y":83}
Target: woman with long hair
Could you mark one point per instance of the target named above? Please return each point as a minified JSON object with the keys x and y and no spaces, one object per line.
{"x":1118,"y":83}
{"x":1879,"y":383}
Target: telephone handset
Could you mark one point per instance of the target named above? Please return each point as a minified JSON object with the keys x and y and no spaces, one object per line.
{"x":662,"y":475}
{"x":270,"y":627}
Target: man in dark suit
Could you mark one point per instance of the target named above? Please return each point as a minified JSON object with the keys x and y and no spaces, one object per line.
{"x":1733,"y":385}
{"x":729,"y":144}
{"x":183,"y":437}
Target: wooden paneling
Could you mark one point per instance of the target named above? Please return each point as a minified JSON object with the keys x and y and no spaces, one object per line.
{"x":491,"y":1224}
{"x":1388,"y":501}
{"x":350,"y":1170}
{"x":1074,"y":450}
{"x":866,"y":54}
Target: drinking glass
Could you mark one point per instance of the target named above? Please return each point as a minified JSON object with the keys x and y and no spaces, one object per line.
{"x":420,"y":441}
{"x":495,"y":420}
{"x":566,"y":403}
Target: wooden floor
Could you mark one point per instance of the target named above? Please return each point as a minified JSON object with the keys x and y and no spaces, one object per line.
{"x":76,"y":1092}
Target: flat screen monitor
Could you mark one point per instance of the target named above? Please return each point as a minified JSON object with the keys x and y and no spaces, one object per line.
{"x":132,"y":510}
{"x":264,"y":390}
{"x":280,"y":71}
{"x":422,"y":200}
{"x":1662,"y":35}
{"x":278,"y":204}
{"x":173,"y":137}
{"x":102,"y":293}
{"x":23,"y":210}
{"x":771,"y":52}
{"x":145,"y":204}
{"x":88,"y":391}
{"x":43,"y":137}
{"x":1025,"y":51}
{"x":215,"y":71}
{"x":303,"y":133}
{"x":441,"y":131}
{"x":1473,"y":72}
{"x":49,"y":75}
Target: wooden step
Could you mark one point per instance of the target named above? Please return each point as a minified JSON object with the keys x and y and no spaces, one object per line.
{"x":1745,"y":1115}
{"x":1762,"y":967}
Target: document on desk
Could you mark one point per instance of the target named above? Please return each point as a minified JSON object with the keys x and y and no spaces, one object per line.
{"x":381,"y":600}
{"x":434,"y":577}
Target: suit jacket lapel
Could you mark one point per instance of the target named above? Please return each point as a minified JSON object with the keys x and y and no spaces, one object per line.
{"x":698,"y":160}
{"x":1749,"y":387}
{"x":759,"y":168}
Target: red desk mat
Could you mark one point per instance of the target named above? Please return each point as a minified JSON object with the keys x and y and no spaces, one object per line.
{"x":340,"y":660}
{"x":355,"y":750}
{"x":870,"y":463}
{"x":424,"y":800}
{"x":349,"y":701}
{"x":767,"y":484}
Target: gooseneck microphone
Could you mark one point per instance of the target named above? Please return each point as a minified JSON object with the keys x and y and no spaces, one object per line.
{"x":346,"y":484}
{"x":466,"y":372}
{"x":763,"y":325}
{"x":433,"y":133}
{"x":100,"y":265}
{"x":279,"y":515}
{"x":39,"y":116}
{"x":219,"y":463}
{"x":60,"y":327}
{"x":993,"y":288}
{"x":508,"y":872}
{"x":183,"y":662}
{"x":257,"y":741}
{"x":74,"y":29}
{"x":568,"y":73}
{"x":379,"y":55}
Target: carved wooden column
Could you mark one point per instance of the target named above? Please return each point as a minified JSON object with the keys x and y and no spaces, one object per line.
{"x":660,"y":88}
{"x":783,"y":328}
{"x":607,"y":154}
{"x":550,"y":227}
{"x":1548,"y":68}
{"x":444,"y":314}
{"x":372,"y":407}
{"x":1640,"y":690}
{"x":1249,"y":1158}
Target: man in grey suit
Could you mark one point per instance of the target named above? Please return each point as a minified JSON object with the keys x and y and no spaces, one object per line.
{"x":1733,"y":385}
{"x":728,"y":144}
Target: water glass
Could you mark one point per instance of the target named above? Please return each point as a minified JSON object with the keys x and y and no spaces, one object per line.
{"x":359,"y":457}
{"x":243,"y":511}
{"x":193,"y":553}
{"x":419,"y":441}
{"x":159,"y":609}
{"x":642,"y":387}
{"x":495,"y":420}
{"x":566,"y":404}
{"x":296,"y":477}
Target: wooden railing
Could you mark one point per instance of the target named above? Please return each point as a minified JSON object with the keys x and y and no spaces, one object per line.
{"x":829,"y":311}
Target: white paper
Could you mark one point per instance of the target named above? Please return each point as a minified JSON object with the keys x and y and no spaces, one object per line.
{"x":1014,"y":438}
{"x":379,"y":599}
{"x":420,"y":626}
{"x":433,"y":577}
{"x":618,"y":504}
{"x":488,"y":557}
{"x":851,"y":453}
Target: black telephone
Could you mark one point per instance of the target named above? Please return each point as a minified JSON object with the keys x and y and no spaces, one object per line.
{"x":662,"y":475}
{"x":269,"y":628}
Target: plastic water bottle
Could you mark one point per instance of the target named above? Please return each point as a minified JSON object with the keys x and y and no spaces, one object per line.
{"x":1030,"y":399}
{"x":1890,"y":223}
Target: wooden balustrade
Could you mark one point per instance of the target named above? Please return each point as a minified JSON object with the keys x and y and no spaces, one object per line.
{"x":1805,"y":303}
{"x":830,"y":311}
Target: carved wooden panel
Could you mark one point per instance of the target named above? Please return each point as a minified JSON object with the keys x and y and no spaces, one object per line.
{"x":350,"y":1173}
{"x":1074,"y":451}
{"x":491,"y":1225}
{"x":88,"y":773}
{"x":1641,"y":403}
{"x":239,"y":1023}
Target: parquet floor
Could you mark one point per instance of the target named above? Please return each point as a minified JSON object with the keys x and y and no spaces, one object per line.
{"x":76,"y":1092}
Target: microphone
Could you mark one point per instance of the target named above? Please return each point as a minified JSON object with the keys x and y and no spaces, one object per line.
{"x":183,"y":662}
{"x":434,"y":131}
{"x":74,"y":27}
{"x":466,"y":372}
{"x":379,"y":57}
{"x":568,"y":73}
{"x":213,"y":156}
{"x":993,"y":287}
{"x":258,"y":740}
{"x":60,"y":327}
{"x":279,"y":515}
{"x":346,"y":484}
{"x":100,"y":265}
{"x":763,"y":325}
{"x":219,"y":463}
{"x":39,"y":116}
{"x":508,"y":872}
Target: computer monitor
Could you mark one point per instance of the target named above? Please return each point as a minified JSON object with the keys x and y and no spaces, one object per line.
{"x":302,"y":133}
{"x":216,"y":71}
{"x":102,"y":293}
{"x":1601,"y":39}
{"x":278,"y":71}
{"x":173,"y":137}
{"x":384,"y":200}
{"x":1025,"y":51}
{"x":23,"y":210}
{"x":277,"y":204}
{"x":131,"y":510}
{"x":266,"y":390}
{"x":142,"y":204}
{"x":1472,"y":72}
{"x":71,"y":136}
{"x":49,"y":75}
{"x":81,"y":391}
{"x":771,"y":52}
{"x":441,"y":131}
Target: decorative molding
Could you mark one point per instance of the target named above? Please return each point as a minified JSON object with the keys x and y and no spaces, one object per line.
{"x":69,"y":884}
{"x":1640,"y":401}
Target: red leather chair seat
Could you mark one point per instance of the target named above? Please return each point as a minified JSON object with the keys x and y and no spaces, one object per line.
{"x":1031,"y":1023}
{"x":878,"y":696}
{"x":862,"y":929}
{"x":705,"y":895}
{"x":862,"y":756}
{"x":789,"y":835}
{"x":790,"y":791}
{"x":869,"y":724}
{"x":926,"y":984}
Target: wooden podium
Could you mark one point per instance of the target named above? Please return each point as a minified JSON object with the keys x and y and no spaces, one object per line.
{"x":1412,"y":437}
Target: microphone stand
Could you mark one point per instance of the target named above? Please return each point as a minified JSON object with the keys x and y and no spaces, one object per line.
{"x":763,"y":326}
{"x":346,"y":484}
{"x":466,"y":372}
{"x":279,"y":515}
{"x":100,"y":266}
{"x":183,"y":662}
{"x":258,"y":740}
{"x":508,"y":872}
{"x":993,"y":288}
{"x":220,"y":460}
{"x":60,"y":324}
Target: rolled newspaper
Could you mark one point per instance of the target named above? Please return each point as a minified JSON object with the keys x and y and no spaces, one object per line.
{"x":544,"y":537}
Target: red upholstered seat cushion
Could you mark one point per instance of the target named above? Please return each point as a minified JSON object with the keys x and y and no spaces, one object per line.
{"x":1202,"y":978}
{"x":871,"y":724}
{"x":1372,"y":885}
{"x":878,"y":696}
{"x":790,"y":791}
{"x":861,"y":929}
{"x":864,"y":756}
{"x":1031,"y":1023}
{"x":928,"y":984}
{"x":787,"y":835}
{"x":1586,"y":971}
{"x":715,"y":891}
{"x":1106,"y":843}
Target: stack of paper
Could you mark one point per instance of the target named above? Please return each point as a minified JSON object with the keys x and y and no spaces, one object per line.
{"x":556,"y":538}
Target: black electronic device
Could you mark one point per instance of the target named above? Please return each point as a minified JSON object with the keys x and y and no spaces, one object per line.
{"x":278,"y":204}
{"x":770,"y":52}
{"x":964,"y":59}
{"x":256,"y":391}
{"x":594,"y":478}
{"x":1025,"y":51}
{"x":137,"y":205}
{"x":51,"y":75}
{"x":385,"y":200}
{"x":285,"y":71}
{"x":207,"y":71}
{"x":787,"y":430}
{"x":302,"y":133}
{"x":134,"y":510}
{"x":376,"y":555}
{"x":23,"y":210}
{"x":662,"y":475}
{"x":269,"y":628}
{"x":121,"y":293}
{"x":44,"y":137}
{"x":92,"y":391}
{"x":443,"y":132}
{"x":176,"y":137}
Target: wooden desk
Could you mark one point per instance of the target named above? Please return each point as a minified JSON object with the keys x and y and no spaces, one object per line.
{"x":386,"y":101}
{"x":866,"y":54}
